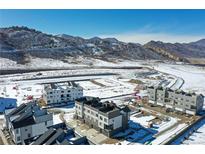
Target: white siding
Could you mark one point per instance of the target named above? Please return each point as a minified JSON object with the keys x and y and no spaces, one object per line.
{"x":55,"y":97}
{"x":40,"y":128}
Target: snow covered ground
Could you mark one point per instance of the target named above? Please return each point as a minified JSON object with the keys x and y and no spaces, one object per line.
{"x":193,"y":76}
{"x":56,"y":119}
{"x":21,"y":92}
{"x":71,"y":62}
{"x":88,"y":85}
{"x":166,"y":124}
{"x":144,"y":120}
{"x":159,"y":127}
{"x":112,"y":87}
{"x":168,"y":134}
{"x":197,"y":137}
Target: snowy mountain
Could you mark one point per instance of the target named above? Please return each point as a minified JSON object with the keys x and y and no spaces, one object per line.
{"x":21,"y":44}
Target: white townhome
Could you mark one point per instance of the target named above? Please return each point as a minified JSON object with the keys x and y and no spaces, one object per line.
{"x":27,"y":121}
{"x":62,"y":92}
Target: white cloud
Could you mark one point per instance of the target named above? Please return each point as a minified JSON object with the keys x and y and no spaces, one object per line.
{"x":139,"y":37}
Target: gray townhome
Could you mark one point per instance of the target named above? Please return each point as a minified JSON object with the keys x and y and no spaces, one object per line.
{"x":152,"y":93}
{"x":179,"y":100}
{"x":27,"y":121}
{"x":105,"y":117}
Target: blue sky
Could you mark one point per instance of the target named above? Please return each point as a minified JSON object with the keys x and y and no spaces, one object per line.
{"x":126,"y":25}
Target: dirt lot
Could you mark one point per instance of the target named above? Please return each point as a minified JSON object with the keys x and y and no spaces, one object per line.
{"x":183,"y":117}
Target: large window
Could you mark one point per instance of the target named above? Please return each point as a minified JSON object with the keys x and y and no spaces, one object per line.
{"x":17,"y":131}
{"x":193,"y":107}
{"x":109,"y":127}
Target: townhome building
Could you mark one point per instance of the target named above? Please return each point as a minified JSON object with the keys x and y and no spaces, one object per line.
{"x":61,"y":92}
{"x":189,"y":103}
{"x":27,"y":121}
{"x":106,"y":117}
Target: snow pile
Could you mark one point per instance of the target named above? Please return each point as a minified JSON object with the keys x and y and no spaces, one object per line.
{"x":68,"y":116}
{"x":165,"y":125}
{"x":143,"y":120}
{"x":56,"y":119}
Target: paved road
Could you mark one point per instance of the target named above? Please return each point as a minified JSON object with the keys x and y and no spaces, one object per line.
{"x":61,"y":79}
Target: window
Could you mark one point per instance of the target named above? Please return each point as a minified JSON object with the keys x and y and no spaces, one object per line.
{"x":105,"y":120}
{"x":26,"y":130}
{"x":62,"y":91}
{"x":96,"y":115}
{"x":17,"y":131}
{"x":101,"y":118}
{"x":46,"y":123}
{"x":18,"y":138}
{"x":51,"y":92}
{"x":29,"y":135}
{"x":193,"y":107}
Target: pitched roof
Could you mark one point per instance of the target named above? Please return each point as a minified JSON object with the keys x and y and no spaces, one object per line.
{"x":43,"y":138}
{"x":25,"y":119}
